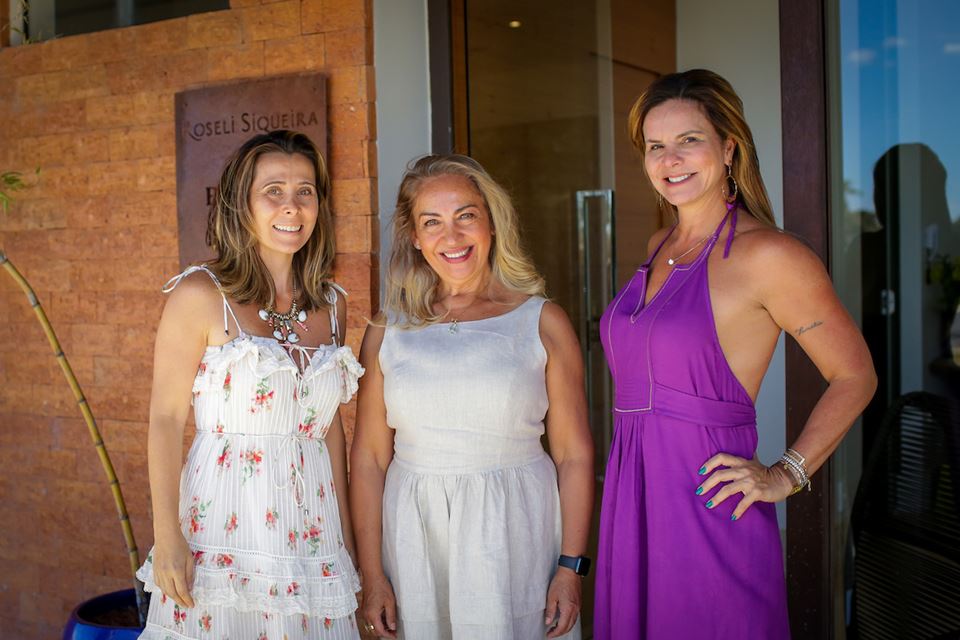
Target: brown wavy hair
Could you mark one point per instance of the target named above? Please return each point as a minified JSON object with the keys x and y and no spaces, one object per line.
{"x":231,"y":232}
{"x":412,"y":285}
{"x":724,"y":109}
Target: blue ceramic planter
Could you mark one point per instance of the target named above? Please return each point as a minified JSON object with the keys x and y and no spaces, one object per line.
{"x":81,"y":625}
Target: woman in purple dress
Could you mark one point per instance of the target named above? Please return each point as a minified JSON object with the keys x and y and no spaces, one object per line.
{"x":689,"y":543}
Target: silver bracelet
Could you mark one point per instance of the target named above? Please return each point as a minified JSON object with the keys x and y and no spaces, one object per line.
{"x":797,"y":470}
{"x":793,"y":453}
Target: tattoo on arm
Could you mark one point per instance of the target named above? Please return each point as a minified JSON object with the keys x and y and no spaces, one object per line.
{"x":813,"y":325}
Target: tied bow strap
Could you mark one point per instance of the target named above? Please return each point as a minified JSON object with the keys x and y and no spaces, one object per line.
{"x":304,"y":389}
{"x":291,"y":447}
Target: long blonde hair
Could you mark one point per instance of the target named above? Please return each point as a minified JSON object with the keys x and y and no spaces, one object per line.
{"x":724,"y":110}
{"x":412,"y":285}
{"x":232,"y":235}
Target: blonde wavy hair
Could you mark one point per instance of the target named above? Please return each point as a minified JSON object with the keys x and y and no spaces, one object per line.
{"x":724,"y":109}
{"x":232,"y":235}
{"x":412,"y":285}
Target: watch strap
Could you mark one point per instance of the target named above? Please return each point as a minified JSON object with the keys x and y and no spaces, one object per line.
{"x":578,"y":564}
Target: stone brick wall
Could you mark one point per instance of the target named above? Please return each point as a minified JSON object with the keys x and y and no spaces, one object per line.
{"x":96,"y":235}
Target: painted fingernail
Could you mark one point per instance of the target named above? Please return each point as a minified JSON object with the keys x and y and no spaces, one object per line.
{"x":699,"y":490}
{"x":733,"y":517}
{"x":702,"y":470}
{"x":709,"y":504}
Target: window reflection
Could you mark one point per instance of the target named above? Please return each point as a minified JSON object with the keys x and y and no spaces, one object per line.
{"x":896,"y":262}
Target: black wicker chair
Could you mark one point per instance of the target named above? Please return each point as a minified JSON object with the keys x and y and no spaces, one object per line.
{"x":905,"y":525}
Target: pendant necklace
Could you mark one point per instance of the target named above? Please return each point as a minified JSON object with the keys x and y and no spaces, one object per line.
{"x":455,"y":322}
{"x":673,"y":261}
{"x":282,"y":323}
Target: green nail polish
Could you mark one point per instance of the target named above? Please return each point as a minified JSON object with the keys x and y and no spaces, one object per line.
{"x":699,"y":490}
{"x":702,"y":470}
{"x":733,"y":517}
{"x":709,"y":504}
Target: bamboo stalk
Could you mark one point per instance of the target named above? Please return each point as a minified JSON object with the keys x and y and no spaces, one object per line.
{"x":132,"y":552}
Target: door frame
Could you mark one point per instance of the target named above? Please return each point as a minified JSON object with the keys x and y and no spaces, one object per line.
{"x":449,"y":99}
{"x":807,"y":214}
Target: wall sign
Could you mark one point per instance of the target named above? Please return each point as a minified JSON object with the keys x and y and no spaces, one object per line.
{"x":213,"y":121}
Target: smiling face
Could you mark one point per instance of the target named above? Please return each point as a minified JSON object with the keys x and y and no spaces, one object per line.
{"x":283,"y":202}
{"x":452,"y":229}
{"x":684,"y":156}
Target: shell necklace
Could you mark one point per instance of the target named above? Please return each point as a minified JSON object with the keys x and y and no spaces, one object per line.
{"x":282,"y":323}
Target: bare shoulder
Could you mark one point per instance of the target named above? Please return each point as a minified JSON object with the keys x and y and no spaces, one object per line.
{"x":372,"y":340}
{"x":195,"y":294}
{"x":556,"y":330}
{"x":771,"y":250}
{"x":193,"y":313}
{"x":779,"y":268}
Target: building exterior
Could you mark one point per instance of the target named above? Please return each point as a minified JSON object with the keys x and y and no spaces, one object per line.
{"x":97,"y":237}
{"x":846,"y":98}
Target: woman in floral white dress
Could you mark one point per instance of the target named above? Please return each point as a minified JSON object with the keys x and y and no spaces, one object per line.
{"x":252,"y":538}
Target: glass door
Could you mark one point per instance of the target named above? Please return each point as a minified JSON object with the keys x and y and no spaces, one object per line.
{"x":896,"y":264}
{"x":549,"y":85}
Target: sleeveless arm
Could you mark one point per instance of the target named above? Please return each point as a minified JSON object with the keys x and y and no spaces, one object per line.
{"x":793,"y":287}
{"x":181,"y":339}
{"x":571,"y":448}
{"x":370,"y":456}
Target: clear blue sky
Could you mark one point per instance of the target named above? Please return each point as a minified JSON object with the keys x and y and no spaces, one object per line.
{"x":900,"y":75}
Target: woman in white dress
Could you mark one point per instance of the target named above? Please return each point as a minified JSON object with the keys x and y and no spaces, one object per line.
{"x":252,"y":539}
{"x":465,"y":527}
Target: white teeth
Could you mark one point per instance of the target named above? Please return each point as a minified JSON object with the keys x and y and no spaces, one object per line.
{"x":678,"y":178}
{"x":458,"y":254}
{"x":285,"y":227}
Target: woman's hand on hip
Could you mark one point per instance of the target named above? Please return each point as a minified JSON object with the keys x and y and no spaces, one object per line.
{"x":173,"y":569}
{"x":563,"y":602}
{"x":379,"y":608}
{"x":756,"y":482}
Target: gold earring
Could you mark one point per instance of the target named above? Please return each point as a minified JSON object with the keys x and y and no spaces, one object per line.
{"x":731,"y":193}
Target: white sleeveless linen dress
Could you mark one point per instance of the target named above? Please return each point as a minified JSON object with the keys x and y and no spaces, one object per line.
{"x":471,"y":508}
{"x":258,"y":505}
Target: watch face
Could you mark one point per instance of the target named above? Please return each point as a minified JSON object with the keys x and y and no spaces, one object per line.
{"x":583,"y":565}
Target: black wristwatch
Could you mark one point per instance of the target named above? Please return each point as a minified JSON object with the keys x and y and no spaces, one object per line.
{"x":579,"y":564}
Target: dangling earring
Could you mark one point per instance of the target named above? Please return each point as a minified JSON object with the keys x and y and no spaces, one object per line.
{"x":660,"y":200}
{"x":731,"y":193}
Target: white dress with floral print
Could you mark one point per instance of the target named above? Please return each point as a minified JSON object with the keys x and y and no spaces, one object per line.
{"x":257,"y":499}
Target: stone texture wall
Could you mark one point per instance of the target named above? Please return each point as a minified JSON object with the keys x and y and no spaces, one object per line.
{"x":96,"y":235}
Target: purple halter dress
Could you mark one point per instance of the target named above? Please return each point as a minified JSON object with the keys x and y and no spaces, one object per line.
{"x":668,"y":567}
